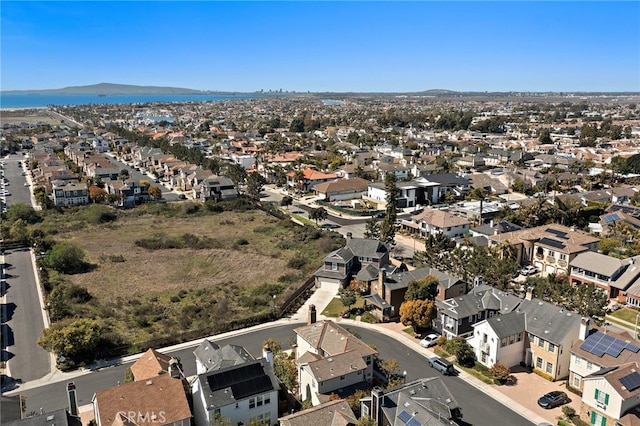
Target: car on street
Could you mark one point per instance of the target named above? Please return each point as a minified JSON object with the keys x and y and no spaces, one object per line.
{"x":429,"y":340}
{"x":553,"y":399}
{"x":528,"y":270}
{"x":442,"y":365}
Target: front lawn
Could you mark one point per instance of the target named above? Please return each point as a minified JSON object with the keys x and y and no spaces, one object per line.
{"x":626,"y":314}
{"x":335,"y":308}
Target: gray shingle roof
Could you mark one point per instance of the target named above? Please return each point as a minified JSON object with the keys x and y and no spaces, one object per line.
{"x":214,"y":357}
{"x":508,"y":324}
{"x":549,"y":321}
{"x":480,"y":299}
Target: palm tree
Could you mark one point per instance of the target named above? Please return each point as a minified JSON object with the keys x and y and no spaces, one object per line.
{"x":479,"y":194}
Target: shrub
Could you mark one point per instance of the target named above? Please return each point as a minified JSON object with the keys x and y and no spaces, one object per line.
{"x":568,"y":411}
{"x":500,"y":372}
{"x":242,"y":241}
{"x":97,"y":213}
{"x":297,"y":262}
{"x":66,"y":258}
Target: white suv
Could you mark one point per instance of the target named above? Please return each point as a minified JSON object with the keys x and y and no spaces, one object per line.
{"x":528,"y":270}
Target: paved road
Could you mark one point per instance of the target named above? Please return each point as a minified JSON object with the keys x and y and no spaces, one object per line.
{"x":15,"y":185}
{"x":478,"y":408}
{"x":22,"y":320}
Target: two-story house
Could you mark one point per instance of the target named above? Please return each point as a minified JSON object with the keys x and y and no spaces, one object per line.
{"x":239,"y":393}
{"x":210,"y":356}
{"x":612,"y":396}
{"x":330,"y":360}
{"x":598,"y":349}
{"x":431,"y":222}
{"x":420,"y":402}
{"x":387,"y":293}
{"x":308,"y":180}
{"x":341,"y":265}
{"x":457,"y":315}
{"x":334,"y":413}
{"x":216,"y":188}
{"x":536,"y":333}
{"x":550,"y":248}
{"x":129,"y":192}
{"x":611,"y":275}
{"x":70,"y":194}
{"x":157,"y":400}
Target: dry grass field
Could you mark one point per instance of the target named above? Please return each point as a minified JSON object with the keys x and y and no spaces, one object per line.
{"x":144,"y":290}
{"x":31,"y":116}
{"x":158,"y":271}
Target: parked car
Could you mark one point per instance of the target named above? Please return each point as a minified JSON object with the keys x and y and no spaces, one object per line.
{"x":528,"y":270}
{"x":429,"y":340}
{"x":442,"y":365}
{"x":553,"y":399}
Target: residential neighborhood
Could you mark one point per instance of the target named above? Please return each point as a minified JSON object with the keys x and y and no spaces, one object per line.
{"x":516,"y":245}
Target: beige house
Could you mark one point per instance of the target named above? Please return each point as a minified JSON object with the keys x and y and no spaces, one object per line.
{"x":330,"y":360}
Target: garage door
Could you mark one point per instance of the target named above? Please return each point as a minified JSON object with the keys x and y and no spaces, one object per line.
{"x":328,"y":284}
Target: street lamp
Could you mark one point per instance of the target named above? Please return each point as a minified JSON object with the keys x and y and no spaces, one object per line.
{"x":404,"y":376}
{"x":274,"y":302}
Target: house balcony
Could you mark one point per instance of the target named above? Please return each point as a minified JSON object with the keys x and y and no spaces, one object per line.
{"x":550,"y":259}
{"x":539,"y":256}
{"x":563,"y":263}
{"x":485,"y":347}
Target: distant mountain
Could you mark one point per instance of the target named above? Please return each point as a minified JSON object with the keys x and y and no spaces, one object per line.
{"x":110,"y":89}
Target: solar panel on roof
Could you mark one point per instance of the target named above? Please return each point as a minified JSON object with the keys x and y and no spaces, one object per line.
{"x":632,"y":348}
{"x":414,"y":422}
{"x":556,"y":232}
{"x":598,"y":352}
{"x":588,"y":344}
{"x":552,"y":243}
{"x":404,"y":416}
{"x":631,"y":381}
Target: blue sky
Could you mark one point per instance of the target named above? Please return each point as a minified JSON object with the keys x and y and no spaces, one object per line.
{"x":323,"y":46}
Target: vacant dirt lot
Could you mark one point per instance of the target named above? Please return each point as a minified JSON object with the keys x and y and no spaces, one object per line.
{"x":31,"y":116}
{"x":146,"y":271}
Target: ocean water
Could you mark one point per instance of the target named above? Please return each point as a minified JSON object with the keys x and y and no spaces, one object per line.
{"x":36,"y":101}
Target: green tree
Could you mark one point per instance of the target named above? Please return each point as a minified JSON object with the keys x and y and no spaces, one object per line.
{"x":255,"y":184}
{"x":424,"y":289}
{"x":318,"y":214}
{"x":417,"y":313}
{"x":372,"y":229}
{"x":66,"y":258}
{"x":545,"y":136}
{"x":23,"y":212}
{"x":123,"y":175}
{"x":348,"y":297}
{"x":74,"y":338}
{"x":236,"y":173}
{"x":388,"y":227}
{"x":366,"y":421}
{"x":97,"y":194}
{"x":462,"y":350}
{"x":286,"y":201}
{"x":155,"y":192}
{"x":18,"y":230}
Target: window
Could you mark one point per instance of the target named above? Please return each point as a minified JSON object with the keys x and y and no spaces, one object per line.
{"x":578,"y":361}
{"x":589,"y":365}
{"x":334,"y":266}
{"x":512,"y":339}
{"x":552,"y":253}
{"x":541,"y":342}
{"x":264,"y":418}
{"x":259,"y":400}
{"x":503,"y":342}
{"x":602,"y":397}
{"x":341,"y":377}
{"x":549,"y":369}
{"x":598,"y":419}
{"x":539,"y":362}
{"x":563,"y":256}
{"x":267,"y":399}
{"x":252,"y":403}
{"x":483,"y":356}
{"x":519,"y":337}
{"x":576,"y":382}
{"x":552,"y":347}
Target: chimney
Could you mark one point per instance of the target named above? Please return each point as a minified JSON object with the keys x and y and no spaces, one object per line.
{"x":72,"y":399}
{"x":529,"y":294}
{"x":584,"y":328}
{"x":267,"y":354}
{"x":312,"y":314}
{"x":376,"y":400}
{"x":381,"y":277}
{"x":174,"y":368}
